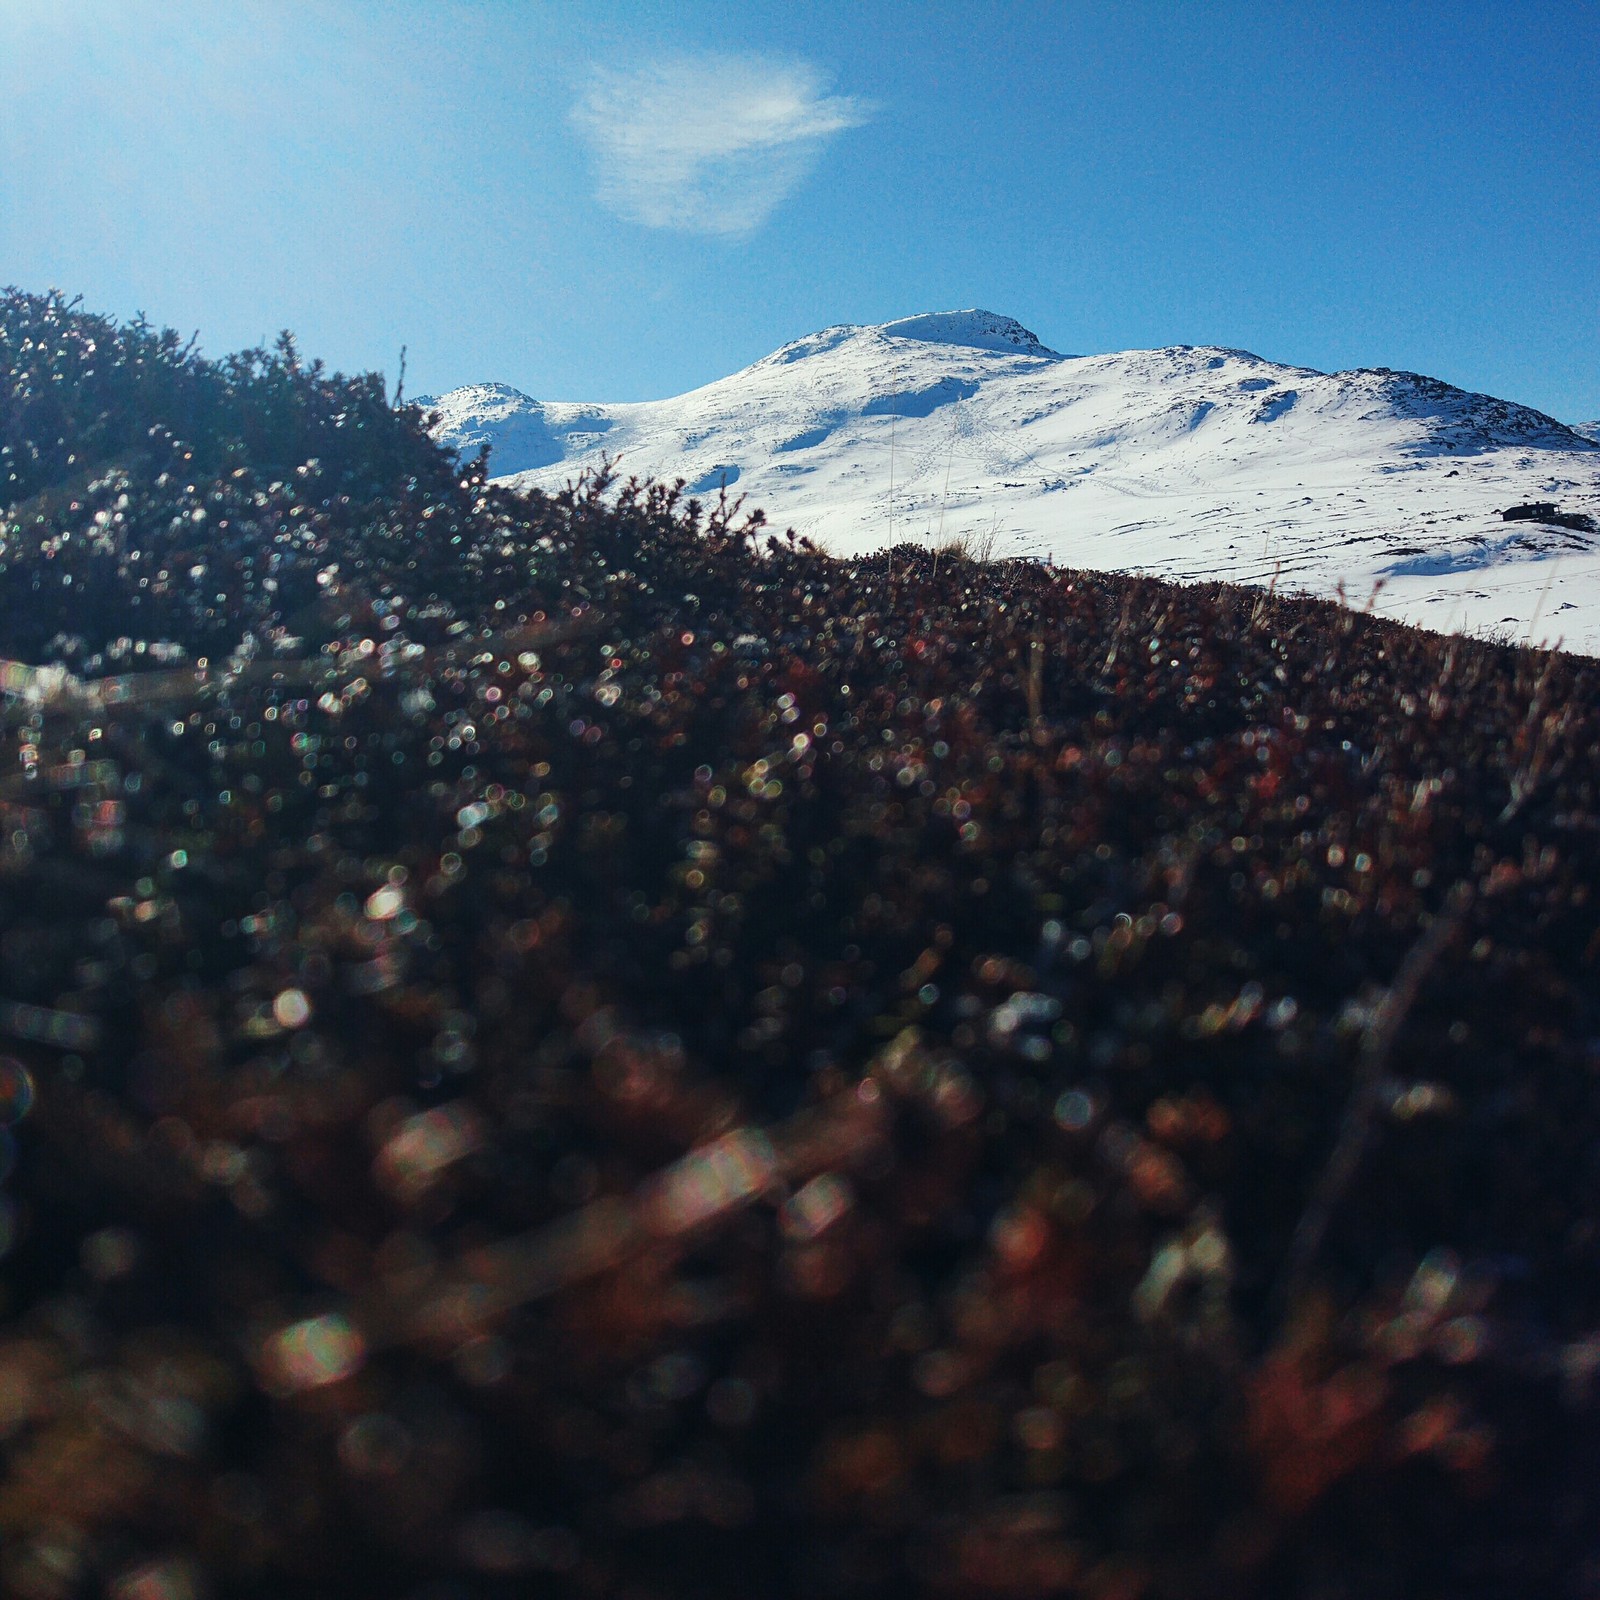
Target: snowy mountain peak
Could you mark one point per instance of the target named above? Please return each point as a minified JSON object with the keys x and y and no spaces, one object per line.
{"x":971,"y":330}
{"x":524,"y":434}
{"x":481,"y":396}
{"x":1461,"y":418}
{"x":981,"y":330}
{"x":1189,"y":462}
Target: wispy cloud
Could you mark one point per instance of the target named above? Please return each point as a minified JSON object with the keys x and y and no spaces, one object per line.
{"x":709,"y":143}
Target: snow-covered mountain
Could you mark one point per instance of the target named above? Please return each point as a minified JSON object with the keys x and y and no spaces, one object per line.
{"x":1190,"y":462}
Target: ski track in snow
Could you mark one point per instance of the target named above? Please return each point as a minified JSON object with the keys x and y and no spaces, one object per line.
{"x":1193,"y":463}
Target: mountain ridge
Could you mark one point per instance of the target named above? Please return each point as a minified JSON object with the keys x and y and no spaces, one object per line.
{"x":1187,"y":461}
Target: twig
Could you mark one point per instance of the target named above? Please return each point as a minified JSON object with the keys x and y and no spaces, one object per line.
{"x":1361,"y":1111}
{"x":1527,"y":776}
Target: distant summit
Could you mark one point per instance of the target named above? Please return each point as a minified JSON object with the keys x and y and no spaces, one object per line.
{"x":524,"y":434}
{"x":971,"y":330}
{"x":980,"y":330}
{"x":1193,"y":461}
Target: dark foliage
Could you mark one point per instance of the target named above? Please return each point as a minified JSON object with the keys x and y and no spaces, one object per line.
{"x":80,"y":393}
{"x":609,"y":1058}
{"x":161,"y":500}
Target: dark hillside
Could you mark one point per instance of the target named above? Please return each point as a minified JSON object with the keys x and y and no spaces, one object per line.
{"x":588,"y":1052}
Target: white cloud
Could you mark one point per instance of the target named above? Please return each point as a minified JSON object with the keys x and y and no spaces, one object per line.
{"x":709,"y":143}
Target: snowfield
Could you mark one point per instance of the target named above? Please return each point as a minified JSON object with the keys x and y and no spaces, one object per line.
{"x":1189,"y":463}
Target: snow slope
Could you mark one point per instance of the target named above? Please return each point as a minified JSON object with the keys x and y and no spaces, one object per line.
{"x":1190,"y":462}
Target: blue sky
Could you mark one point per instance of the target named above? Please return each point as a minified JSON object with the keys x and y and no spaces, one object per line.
{"x":621,"y":201}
